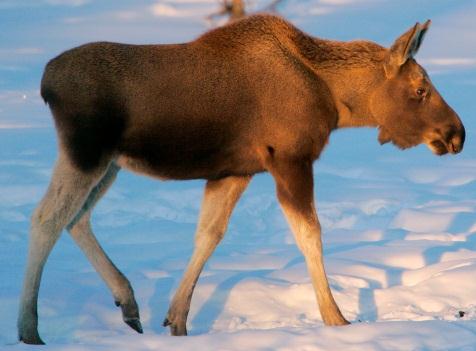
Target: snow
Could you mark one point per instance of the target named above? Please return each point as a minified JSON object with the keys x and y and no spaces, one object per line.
{"x":399,"y":227}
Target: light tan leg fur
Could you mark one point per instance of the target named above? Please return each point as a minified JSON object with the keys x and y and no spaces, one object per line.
{"x":218,"y":203}
{"x":81,"y":232}
{"x":66,"y":194}
{"x":294,"y":182}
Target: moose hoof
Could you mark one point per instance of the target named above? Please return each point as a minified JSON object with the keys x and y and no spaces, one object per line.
{"x":176,"y":329}
{"x":135,"y":324}
{"x":130,"y":315}
{"x":31,"y":338}
{"x":336,"y":322}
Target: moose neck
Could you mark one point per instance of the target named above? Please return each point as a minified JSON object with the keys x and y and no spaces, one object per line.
{"x":352,"y":70}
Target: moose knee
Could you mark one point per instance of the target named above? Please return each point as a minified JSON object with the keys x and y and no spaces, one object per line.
{"x":209,"y":236}
{"x":307,"y":231}
{"x":309,"y":242}
{"x":45,"y":224}
{"x":41,"y":220}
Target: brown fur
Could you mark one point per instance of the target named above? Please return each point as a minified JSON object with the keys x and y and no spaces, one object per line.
{"x":256,"y":95}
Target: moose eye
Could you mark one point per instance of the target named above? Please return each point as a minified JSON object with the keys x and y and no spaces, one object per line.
{"x":421,"y":92}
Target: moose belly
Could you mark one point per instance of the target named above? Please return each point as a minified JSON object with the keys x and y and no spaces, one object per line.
{"x":187,"y":161}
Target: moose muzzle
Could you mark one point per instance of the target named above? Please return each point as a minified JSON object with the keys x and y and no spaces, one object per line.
{"x":456,"y":142}
{"x":446,"y":141}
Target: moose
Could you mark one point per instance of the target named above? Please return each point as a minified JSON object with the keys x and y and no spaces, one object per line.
{"x":257,"y":95}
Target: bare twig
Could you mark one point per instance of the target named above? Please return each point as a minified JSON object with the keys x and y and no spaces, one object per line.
{"x":235,"y":9}
{"x":273,"y":6}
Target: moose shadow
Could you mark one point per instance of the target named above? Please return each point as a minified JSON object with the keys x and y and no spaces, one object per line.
{"x":210,"y":311}
{"x":462,"y":223}
{"x":368,"y":310}
{"x":159,"y":303}
{"x":215,"y":304}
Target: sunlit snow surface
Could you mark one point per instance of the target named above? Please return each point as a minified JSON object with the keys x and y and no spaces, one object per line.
{"x":399,"y":227}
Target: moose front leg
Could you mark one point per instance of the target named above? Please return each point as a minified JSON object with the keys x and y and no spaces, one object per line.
{"x":294,"y":182}
{"x":218,"y":203}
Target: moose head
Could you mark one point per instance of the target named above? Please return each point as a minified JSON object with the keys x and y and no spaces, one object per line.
{"x":407,"y":107}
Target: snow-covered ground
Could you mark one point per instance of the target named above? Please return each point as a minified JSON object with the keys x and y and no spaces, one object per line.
{"x":399,"y":227}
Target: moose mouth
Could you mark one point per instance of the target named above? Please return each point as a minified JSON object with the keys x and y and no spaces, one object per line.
{"x":439,"y":147}
{"x":435,"y":142}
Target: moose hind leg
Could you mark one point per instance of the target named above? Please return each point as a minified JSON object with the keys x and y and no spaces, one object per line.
{"x":66,"y":193}
{"x":80,"y":230}
{"x":218,"y":203}
{"x":294,"y":182}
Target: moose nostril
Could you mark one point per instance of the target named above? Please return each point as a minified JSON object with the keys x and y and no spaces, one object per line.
{"x":453,"y":147}
{"x":455,"y":137}
{"x":456,"y":144}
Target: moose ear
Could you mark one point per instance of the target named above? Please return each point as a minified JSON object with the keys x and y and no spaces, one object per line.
{"x":405,"y":47}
